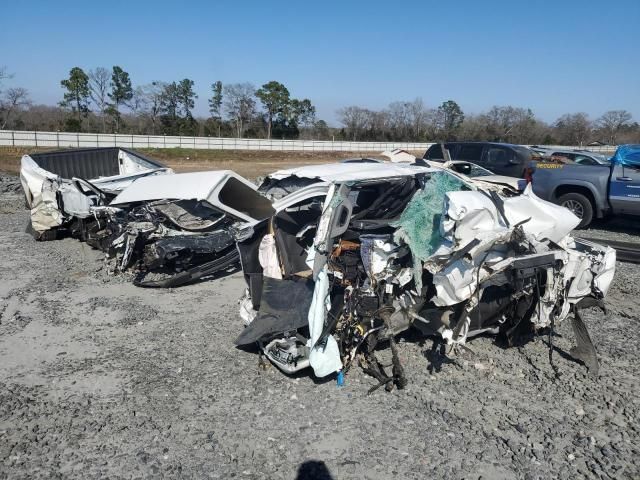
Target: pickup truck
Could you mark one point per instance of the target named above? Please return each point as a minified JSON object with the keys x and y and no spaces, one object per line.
{"x":593,"y":191}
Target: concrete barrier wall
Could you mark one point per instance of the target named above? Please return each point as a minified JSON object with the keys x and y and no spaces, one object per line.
{"x":90,"y":140}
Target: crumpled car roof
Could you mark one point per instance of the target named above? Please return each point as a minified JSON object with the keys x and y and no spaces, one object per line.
{"x":344,"y":172}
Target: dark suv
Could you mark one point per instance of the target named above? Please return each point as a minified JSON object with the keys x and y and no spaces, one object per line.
{"x":500,"y":158}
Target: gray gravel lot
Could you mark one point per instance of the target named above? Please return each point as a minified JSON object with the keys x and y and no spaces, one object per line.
{"x":99,"y":378}
{"x":624,"y":229}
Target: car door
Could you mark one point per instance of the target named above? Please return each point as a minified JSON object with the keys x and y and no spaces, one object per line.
{"x":469,"y":152}
{"x":434,"y":153}
{"x":624,"y":190}
{"x":500,"y":160}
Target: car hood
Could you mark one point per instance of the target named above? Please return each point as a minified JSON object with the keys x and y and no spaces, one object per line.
{"x":224,"y":189}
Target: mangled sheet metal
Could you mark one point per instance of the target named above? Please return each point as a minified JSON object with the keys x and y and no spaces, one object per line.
{"x":61,"y":187}
{"x":169,"y":229}
{"x":176,"y":229}
{"x":370,"y":251}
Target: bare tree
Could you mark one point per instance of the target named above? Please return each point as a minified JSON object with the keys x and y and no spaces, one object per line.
{"x":355,"y":119}
{"x":12,"y":100}
{"x":40,"y":117}
{"x":475,"y":128}
{"x":573,"y":129}
{"x":611,"y":122}
{"x":139,"y":106}
{"x":509,"y":124}
{"x":100,"y":86}
{"x":398,"y":119}
{"x":240,"y":104}
{"x":4,"y":74}
{"x":418,"y":116}
{"x":150,"y":98}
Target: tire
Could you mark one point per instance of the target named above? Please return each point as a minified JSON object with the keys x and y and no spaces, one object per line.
{"x":45,"y":236}
{"x":580,"y":205}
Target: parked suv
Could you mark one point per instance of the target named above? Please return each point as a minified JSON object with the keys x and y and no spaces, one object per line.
{"x":500,"y":158}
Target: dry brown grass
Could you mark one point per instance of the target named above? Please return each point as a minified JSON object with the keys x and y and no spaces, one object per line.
{"x":10,"y":157}
{"x":248,"y":163}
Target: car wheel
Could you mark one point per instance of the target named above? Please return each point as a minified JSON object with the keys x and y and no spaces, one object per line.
{"x":580,"y":205}
{"x":45,"y":236}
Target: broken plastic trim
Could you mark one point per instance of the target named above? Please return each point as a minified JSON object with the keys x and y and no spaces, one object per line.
{"x":192,"y":274}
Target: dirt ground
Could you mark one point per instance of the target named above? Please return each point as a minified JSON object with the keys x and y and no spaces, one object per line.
{"x":99,"y":379}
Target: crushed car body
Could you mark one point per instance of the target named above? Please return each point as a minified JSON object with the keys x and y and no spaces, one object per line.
{"x":355,"y":254}
{"x":175,"y":229}
{"x":61,"y":186}
{"x":167,"y":229}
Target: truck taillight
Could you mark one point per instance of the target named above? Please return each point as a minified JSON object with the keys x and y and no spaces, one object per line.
{"x":528,"y":174}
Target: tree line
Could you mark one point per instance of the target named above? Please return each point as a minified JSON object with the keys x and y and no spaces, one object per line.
{"x":413,"y":121}
{"x":105,"y":100}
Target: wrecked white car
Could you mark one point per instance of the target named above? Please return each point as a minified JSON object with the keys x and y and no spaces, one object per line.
{"x":176,"y":229}
{"x":60,"y":187}
{"x":357,"y":253}
{"x":168,"y":229}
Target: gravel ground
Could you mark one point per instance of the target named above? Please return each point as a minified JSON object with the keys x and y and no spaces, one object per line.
{"x":624,"y":229}
{"x":101,"y":379}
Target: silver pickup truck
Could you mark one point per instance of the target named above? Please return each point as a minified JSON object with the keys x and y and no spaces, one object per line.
{"x":593,"y":191}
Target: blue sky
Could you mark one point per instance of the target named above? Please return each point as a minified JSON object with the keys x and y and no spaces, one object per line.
{"x":551,"y":56}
